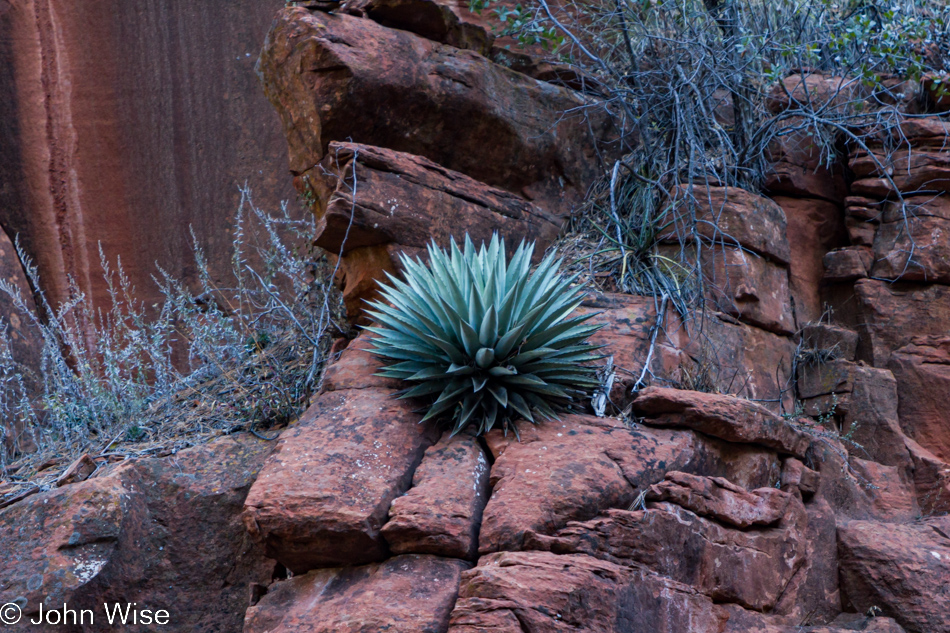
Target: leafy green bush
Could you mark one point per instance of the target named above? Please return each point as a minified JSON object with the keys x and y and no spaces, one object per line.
{"x":493,"y":340}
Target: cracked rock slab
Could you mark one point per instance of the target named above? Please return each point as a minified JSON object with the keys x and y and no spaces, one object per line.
{"x":322,"y":498}
{"x":541,"y":592}
{"x":722,"y":500}
{"x":726,"y":417}
{"x":442,"y":511}
{"x":405,"y":594}
{"x":571,"y":470}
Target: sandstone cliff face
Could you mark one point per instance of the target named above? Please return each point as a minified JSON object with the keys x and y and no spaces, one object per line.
{"x":122,"y":124}
{"x":720,"y":511}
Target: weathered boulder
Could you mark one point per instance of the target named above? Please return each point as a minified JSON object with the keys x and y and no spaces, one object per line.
{"x":164,"y":533}
{"x":864,"y":400}
{"x":442,"y":21}
{"x":573,"y":469}
{"x":541,"y":592}
{"x":729,"y":216}
{"x":847,"y":264}
{"x":814,"y":92}
{"x":922,"y":371}
{"x":334,"y":77}
{"x":912,"y":243}
{"x":399,"y":198}
{"x":442,"y":511}
{"x":721,"y":354}
{"x":405,"y":594}
{"x":904,"y":570}
{"x":813,"y":228}
{"x":890,"y":315}
{"x":750,"y":568}
{"x":726,"y":417}
{"x":830,"y":340}
{"x":722,"y":500}
{"x":323,"y":496}
{"x":742,"y":284}
{"x":799,"y":167}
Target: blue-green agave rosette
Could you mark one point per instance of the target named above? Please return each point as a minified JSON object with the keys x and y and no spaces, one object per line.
{"x":486,"y":339}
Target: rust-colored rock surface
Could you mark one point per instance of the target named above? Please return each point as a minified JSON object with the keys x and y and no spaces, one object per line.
{"x":574,"y":469}
{"x":442,"y":512}
{"x":813,"y":228}
{"x":405,"y":594}
{"x":890,"y":315}
{"x":540,"y":592}
{"x":337,"y":77}
{"x":720,"y":499}
{"x":399,"y":198}
{"x":904,"y":570}
{"x":322,"y":498}
{"x":922,"y":370}
{"x":750,"y":568}
{"x":166,"y":533}
{"x":124,"y":124}
{"x":726,"y":417}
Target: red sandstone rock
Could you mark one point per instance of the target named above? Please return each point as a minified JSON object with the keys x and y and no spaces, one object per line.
{"x":574,"y":469}
{"x":726,"y":417}
{"x":322,"y":498}
{"x":890,"y":315}
{"x":438,"y":20}
{"x":336,"y":77}
{"x":865,"y":403}
{"x":734,"y":358}
{"x":408,"y":200}
{"x":744,"y":621}
{"x":749,"y":568}
{"x":730,"y":217}
{"x":743,"y":285}
{"x":922,"y":370}
{"x":831,"y":339}
{"x":860,"y":232}
{"x":813,"y":228}
{"x":721,"y":499}
{"x":814,"y":92}
{"x":917,"y":249}
{"x":123,"y":133}
{"x":931,"y":479}
{"x":799,"y":167}
{"x":861,"y":489}
{"x":165,"y":533}
{"x":79,"y":470}
{"x":812,"y":594}
{"x":913,"y":171}
{"x":442,"y":511}
{"x":405,"y":594}
{"x":847,"y":264}
{"x":540,"y":592}
{"x":798,"y":477}
{"x":902,"y":569}
{"x":357,"y":367}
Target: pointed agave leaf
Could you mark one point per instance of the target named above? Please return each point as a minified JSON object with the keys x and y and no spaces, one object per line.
{"x":488,"y":332}
{"x":499,"y":393}
{"x":478,"y":383}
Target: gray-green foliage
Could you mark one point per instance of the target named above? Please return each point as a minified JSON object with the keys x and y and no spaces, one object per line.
{"x":493,"y":340}
{"x":210,"y":356}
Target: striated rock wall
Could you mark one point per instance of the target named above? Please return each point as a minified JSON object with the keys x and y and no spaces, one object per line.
{"x":124,"y":123}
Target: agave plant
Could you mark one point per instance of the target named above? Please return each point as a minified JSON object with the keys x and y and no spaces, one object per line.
{"x":495,"y":341}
